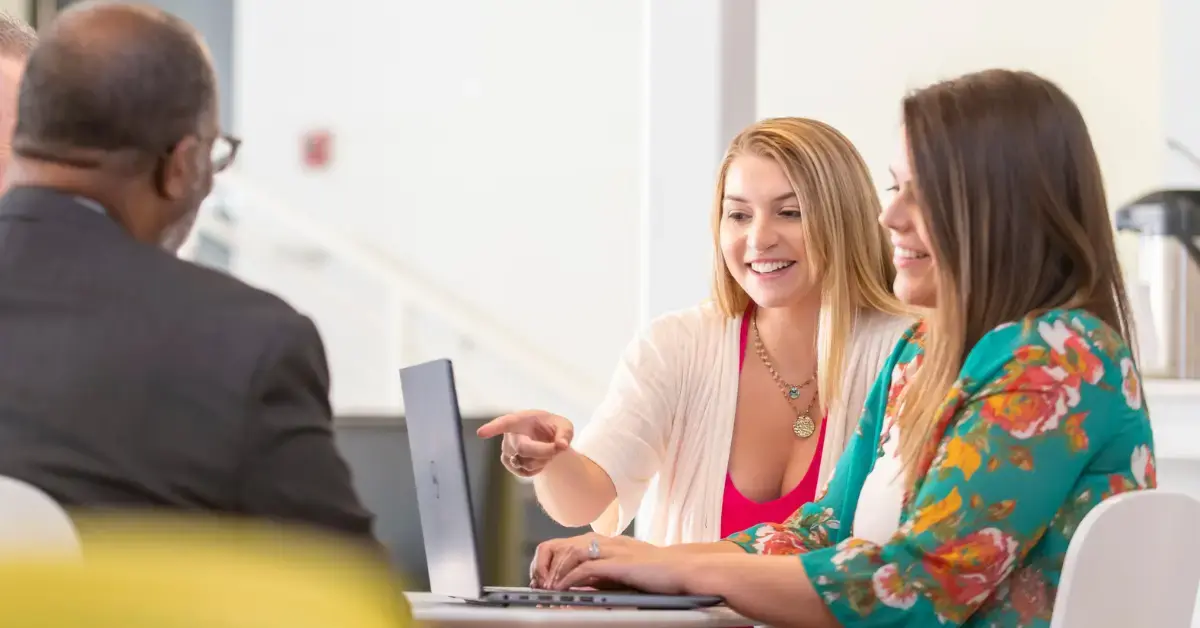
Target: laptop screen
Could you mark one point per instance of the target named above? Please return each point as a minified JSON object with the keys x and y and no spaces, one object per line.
{"x":440,"y":473}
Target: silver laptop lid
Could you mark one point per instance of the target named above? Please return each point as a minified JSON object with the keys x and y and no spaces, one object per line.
{"x":440,"y":472}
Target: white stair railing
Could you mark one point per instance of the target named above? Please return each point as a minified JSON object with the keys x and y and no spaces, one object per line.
{"x":237,"y":198}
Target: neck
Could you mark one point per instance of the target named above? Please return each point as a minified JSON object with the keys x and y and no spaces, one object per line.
{"x":66,"y":179}
{"x":91,"y":184}
{"x":789,"y":334}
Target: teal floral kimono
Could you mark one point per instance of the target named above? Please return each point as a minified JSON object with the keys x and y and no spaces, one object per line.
{"x":1045,"y":421}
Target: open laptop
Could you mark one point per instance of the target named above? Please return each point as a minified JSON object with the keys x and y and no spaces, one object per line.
{"x":444,"y":500}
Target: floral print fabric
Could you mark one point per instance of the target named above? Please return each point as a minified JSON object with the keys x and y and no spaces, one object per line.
{"x":1045,"y":421}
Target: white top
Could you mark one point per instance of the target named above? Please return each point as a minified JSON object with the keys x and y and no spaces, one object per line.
{"x":663,"y":432}
{"x":881,"y":501}
{"x":882,"y":498}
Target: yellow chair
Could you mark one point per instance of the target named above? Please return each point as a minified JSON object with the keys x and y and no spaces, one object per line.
{"x":185,"y":574}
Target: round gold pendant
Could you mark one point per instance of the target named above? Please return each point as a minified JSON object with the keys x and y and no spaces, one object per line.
{"x":804,"y":426}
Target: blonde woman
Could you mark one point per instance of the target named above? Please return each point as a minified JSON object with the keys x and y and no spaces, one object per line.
{"x":999,"y":422}
{"x":734,"y":412}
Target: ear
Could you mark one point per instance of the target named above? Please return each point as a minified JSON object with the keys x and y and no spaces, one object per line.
{"x":182,"y":168}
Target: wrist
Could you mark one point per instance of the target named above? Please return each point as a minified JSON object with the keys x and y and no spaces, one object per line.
{"x":622,"y":545}
{"x":704,"y":574}
{"x":559,"y":464}
{"x":650,"y":550}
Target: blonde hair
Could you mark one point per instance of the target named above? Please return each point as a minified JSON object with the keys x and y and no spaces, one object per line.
{"x":848,"y":251}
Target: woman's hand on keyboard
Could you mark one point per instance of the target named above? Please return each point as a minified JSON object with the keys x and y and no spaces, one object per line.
{"x":558,"y":557}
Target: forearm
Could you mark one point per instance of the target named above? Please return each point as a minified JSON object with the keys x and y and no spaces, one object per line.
{"x":773,"y":590}
{"x":694,"y":549}
{"x":573,"y":490}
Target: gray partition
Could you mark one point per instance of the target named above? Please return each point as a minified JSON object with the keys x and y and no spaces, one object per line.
{"x":377,"y":450}
{"x":508,"y":522}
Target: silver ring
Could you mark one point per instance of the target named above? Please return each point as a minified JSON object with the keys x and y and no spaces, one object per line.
{"x":594,"y":549}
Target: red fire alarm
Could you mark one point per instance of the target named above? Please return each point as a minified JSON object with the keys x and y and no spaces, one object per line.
{"x":317,"y":149}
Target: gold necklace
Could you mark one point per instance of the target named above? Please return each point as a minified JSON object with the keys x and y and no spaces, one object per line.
{"x":803,"y":426}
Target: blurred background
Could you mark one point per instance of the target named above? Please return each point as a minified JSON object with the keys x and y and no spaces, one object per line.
{"x":520,"y":185}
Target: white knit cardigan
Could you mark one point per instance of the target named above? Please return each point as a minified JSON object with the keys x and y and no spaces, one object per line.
{"x":663,"y":431}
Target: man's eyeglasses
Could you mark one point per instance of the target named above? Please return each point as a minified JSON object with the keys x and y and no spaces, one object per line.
{"x":224,"y":151}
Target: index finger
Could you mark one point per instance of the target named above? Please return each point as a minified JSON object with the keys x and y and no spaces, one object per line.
{"x":516,"y":423}
{"x":541,"y":561}
{"x":586,"y":573}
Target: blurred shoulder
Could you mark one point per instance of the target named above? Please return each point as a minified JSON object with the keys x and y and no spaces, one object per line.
{"x":701,"y":323}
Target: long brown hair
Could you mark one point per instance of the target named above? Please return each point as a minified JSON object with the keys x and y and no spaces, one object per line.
{"x":846,"y":246}
{"x":1014,"y":204}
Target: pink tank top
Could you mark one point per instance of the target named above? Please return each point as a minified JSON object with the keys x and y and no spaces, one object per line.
{"x":738,"y":512}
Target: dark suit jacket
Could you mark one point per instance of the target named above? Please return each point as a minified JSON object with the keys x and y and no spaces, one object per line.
{"x":130,"y":378}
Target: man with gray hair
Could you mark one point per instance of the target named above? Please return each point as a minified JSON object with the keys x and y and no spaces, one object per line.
{"x":17,"y":40}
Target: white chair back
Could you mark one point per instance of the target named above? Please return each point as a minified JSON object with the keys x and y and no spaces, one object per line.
{"x":32,"y":522}
{"x":1134,"y":561}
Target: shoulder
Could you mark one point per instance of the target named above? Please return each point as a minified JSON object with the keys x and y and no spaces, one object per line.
{"x":203,"y":297}
{"x":882,"y":325}
{"x":674,"y":343}
{"x":1074,"y":340}
{"x":212,"y":289}
{"x":1069,"y":356}
{"x":293,"y":355}
{"x":703,"y":324}
{"x":876,"y":337}
{"x":910,"y":346}
{"x":880,"y":331}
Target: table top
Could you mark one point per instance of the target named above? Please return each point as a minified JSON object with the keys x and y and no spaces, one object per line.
{"x":444,"y":612}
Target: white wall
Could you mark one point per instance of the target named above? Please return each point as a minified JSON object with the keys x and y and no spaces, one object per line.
{"x":1181,"y":49}
{"x":491,"y":145}
{"x":494,"y":146}
{"x":849,"y":63}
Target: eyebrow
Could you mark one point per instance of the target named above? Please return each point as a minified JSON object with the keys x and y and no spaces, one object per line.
{"x":790,"y":196}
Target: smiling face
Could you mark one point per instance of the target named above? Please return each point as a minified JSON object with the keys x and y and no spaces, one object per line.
{"x":762,"y":235}
{"x":916,"y":268}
